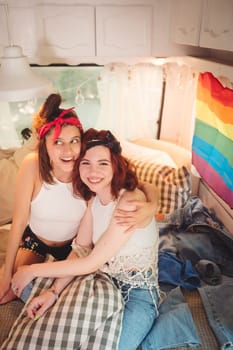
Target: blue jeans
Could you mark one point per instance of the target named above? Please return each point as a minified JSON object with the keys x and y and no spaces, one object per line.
{"x":139,"y":315}
{"x":174,"y":327}
{"x":26,"y":292}
{"x":218,"y":301}
{"x":207,"y":245}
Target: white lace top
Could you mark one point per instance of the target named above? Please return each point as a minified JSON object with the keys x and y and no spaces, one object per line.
{"x":137,"y":262}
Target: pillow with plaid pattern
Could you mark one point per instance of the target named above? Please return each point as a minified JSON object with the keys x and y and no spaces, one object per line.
{"x":69,"y":323}
{"x":174,"y":185}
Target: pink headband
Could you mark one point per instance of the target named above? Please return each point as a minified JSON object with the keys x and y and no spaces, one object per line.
{"x":58,"y":122}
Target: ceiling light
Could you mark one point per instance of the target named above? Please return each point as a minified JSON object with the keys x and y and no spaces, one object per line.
{"x":18,"y":82}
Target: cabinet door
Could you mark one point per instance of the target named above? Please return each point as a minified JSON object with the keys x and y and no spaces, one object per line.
{"x":123,"y":30}
{"x":217,"y":25}
{"x":186,"y":21}
{"x":66,"y":31}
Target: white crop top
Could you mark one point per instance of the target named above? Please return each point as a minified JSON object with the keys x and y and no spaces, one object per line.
{"x":55,"y":213}
{"x":139,"y":254}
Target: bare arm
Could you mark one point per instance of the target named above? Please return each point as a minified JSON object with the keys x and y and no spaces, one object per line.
{"x":85,"y":230}
{"x":107,"y":246}
{"x":22,"y":200}
{"x":40,"y":304}
{"x":144,"y":209}
{"x":151,"y":193}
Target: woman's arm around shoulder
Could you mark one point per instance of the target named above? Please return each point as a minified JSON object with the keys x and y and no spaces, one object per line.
{"x":145,"y":207}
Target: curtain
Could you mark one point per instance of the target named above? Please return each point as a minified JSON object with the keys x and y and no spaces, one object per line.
{"x":130,"y":98}
{"x":179,"y":102}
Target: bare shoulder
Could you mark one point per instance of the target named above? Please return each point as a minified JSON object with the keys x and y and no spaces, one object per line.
{"x":31,"y":157}
{"x":30,"y":160}
{"x":30,"y":164}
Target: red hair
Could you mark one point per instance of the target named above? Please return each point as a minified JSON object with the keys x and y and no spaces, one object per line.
{"x":123,"y":174}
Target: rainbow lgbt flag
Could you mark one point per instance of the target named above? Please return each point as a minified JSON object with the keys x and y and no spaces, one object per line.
{"x":212,"y":147}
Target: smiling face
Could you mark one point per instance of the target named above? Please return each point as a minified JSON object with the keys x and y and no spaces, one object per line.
{"x":96,"y":171}
{"x":64,"y":150}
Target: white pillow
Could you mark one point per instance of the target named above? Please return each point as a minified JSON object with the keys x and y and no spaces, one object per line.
{"x":145,"y":154}
{"x":179,"y":155}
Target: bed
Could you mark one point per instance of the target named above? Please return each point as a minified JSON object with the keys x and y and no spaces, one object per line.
{"x":168,"y":166}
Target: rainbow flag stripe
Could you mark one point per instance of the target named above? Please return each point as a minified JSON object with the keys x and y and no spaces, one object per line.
{"x":212,"y":146}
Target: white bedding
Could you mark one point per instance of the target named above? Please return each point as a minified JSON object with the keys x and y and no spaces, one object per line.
{"x":146,"y":154}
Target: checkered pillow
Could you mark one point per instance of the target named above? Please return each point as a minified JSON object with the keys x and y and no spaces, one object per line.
{"x":87,"y":315}
{"x":174,"y":184}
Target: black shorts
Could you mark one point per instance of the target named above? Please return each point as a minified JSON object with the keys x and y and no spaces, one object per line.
{"x":31,"y":242}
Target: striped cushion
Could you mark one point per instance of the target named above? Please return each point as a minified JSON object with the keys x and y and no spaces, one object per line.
{"x":174,"y":184}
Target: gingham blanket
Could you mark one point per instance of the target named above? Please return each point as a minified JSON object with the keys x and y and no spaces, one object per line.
{"x":87,"y":316}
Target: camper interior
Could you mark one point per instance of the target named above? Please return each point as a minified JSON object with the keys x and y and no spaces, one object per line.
{"x":159,"y":74}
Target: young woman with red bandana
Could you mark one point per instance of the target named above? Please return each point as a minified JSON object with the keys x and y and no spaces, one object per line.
{"x":46,"y":214}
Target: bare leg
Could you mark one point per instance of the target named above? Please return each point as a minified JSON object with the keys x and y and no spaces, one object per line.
{"x":24,"y":257}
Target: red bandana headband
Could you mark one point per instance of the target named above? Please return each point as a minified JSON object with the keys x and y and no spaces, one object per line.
{"x":58,"y":122}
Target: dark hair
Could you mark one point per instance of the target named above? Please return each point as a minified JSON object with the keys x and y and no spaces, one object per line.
{"x":47,"y":113}
{"x":123,"y":174}
{"x":26,"y":133}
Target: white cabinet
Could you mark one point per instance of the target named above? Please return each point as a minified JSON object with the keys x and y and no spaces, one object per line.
{"x":204,"y":23}
{"x":51,"y":33}
{"x":123,"y":30}
{"x":217,"y":25}
{"x":65,"y":31}
{"x":70,"y":33}
{"x":186,"y":21}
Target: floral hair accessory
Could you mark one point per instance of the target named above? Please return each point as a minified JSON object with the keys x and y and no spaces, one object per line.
{"x":58,"y":122}
{"x":109,"y":142}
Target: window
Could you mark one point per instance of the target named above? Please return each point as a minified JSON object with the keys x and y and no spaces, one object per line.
{"x":78,"y":87}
